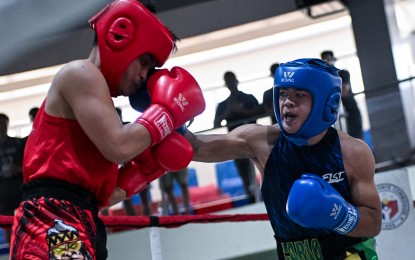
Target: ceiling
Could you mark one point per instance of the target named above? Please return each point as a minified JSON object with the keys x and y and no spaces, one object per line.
{"x":38,"y":34}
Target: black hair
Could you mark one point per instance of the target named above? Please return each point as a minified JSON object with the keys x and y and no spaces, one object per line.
{"x":231,"y":81}
{"x":273,"y":68}
{"x":4,"y":117}
{"x":33,"y":111}
{"x":229,"y":74}
{"x":326,"y":53}
{"x":151,"y":7}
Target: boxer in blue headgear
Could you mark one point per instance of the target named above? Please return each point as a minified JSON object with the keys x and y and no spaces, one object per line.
{"x":324,"y":84}
{"x":317,"y":181}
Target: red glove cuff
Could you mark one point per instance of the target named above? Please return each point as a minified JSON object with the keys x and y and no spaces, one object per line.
{"x":158,"y":122}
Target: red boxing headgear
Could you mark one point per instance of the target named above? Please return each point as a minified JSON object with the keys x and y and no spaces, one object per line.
{"x":126,"y":30}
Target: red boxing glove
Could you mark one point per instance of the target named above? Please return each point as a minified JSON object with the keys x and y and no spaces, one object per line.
{"x":136,"y":174}
{"x":176,"y":98}
{"x":172,"y":154}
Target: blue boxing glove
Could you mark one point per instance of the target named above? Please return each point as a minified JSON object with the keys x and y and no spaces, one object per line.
{"x":314,"y":203}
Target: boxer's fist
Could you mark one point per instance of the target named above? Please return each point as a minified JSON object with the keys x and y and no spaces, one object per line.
{"x":138,"y":173}
{"x":174,"y":152}
{"x":176,"y":98}
{"x":178,"y":92}
{"x":314,"y":203}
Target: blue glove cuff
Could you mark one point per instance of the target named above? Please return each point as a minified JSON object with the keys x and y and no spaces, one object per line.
{"x":349,"y":221}
{"x":182,"y":129}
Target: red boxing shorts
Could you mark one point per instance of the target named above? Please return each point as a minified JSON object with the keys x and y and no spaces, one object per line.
{"x":57,"y":220}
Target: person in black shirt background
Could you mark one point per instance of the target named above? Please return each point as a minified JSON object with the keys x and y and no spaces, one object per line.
{"x":11,"y":177}
{"x":353,"y":115}
{"x":239,"y":109}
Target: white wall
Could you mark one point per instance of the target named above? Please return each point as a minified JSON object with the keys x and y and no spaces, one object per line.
{"x":252,"y":59}
{"x":249,"y":60}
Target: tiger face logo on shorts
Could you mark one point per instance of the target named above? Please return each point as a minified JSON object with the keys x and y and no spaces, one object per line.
{"x":64,"y":242}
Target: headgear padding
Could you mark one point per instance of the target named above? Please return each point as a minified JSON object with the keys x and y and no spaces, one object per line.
{"x":324,"y":84}
{"x":126,"y":30}
{"x":140,"y":100}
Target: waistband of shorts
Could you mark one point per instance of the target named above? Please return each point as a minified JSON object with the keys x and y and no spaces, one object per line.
{"x":331,"y":246}
{"x":60,"y":190}
{"x":14,"y":177}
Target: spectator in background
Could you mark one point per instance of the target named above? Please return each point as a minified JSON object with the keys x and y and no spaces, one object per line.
{"x":353,"y":116}
{"x":239,"y":109}
{"x":166,"y":183}
{"x":11,"y":177}
{"x":32,"y":113}
{"x":268,"y":97}
{"x":145,"y":201}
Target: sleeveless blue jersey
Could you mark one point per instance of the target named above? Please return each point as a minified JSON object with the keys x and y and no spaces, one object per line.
{"x":286,"y":163}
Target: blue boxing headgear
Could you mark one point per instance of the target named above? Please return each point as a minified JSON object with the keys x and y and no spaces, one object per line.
{"x":140,"y":100}
{"x":324,"y":84}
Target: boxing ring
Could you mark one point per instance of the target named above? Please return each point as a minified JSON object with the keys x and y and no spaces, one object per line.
{"x":167,"y":237}
{"x":246,"y":232}
{"x":138,"y":222}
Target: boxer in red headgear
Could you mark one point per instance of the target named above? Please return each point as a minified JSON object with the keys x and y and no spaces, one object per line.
{"x":71,"y":159}
{"x":123,"y":36}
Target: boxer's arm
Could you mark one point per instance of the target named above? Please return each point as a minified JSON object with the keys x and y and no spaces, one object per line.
{"x":80,"y":92}
{"x":246,"y":141}
{"x":117,"y":196}
{"x":360,"y":167}
{"x":172,"y":154}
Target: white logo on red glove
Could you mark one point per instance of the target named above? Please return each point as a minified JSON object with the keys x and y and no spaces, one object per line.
{"x":181,"y":101}
{"x":164,"y":124}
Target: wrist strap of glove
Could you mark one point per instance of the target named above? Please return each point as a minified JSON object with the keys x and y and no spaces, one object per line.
{"x":349,"y":222}
{"x":158,"y":122}
{"x":182,"y":129}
